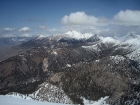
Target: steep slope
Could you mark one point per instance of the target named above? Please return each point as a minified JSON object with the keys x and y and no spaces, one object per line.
{"x":127,"y":37}
{"x":133,"y":40}
{"x":130,"y":38}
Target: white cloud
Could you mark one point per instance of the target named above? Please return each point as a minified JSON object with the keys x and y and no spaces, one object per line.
{"x":24,"y":29}
{"x":80,"y":18}
{"x":52,"y":30}
{"x":26,"y":35}
{"x":88,"y":29}
{"x":120,"y":24}
{"x":8,"y":29}
{"x":42,"y":27}
{"x":127,"y":17}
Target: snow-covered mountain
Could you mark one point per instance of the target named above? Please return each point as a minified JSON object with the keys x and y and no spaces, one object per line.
{"x":130,"y":38}
{"x":72,"y":34}
{"x":134,"y":41}
{"x":74,"y":67}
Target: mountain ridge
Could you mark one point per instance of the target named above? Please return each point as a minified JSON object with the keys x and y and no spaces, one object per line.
{"x":92,"y":69}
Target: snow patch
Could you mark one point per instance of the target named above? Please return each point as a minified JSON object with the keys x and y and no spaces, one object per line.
{"x":134,"y":41}
{"x":68,"y":65}
{"x":55,"y":53}
{"x":92,"y":47}
{"x":101,"y":101}
{"x":97,"y":60}
{"x":117,"y":58}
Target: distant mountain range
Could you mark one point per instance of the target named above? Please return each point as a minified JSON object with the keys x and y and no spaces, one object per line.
{"x":73,"y":67}
{"x":8,"y":42}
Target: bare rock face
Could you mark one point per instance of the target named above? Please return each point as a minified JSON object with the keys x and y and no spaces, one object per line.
{"x":56,"y":78}
{"x":45,"y":65}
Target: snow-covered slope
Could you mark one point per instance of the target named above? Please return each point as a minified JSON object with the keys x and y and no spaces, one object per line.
{"x":130,"y":38}
{"x":69,"y":34}
{"x":46,"y":92}
{"x":134,"y":41}
{"x":103,"y":40}
{"x":5,"y":100}
{"x":49,"y":93}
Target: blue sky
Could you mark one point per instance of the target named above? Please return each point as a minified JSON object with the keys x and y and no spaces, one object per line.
{"x":105,"y":17}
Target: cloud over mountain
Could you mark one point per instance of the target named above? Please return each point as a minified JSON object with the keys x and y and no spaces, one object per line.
{"x":24,"y":29}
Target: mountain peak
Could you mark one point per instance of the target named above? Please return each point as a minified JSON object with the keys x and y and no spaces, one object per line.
{"x":129,"y":36}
